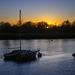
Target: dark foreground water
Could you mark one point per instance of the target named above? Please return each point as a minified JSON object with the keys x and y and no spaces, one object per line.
{"x":56,"y":60}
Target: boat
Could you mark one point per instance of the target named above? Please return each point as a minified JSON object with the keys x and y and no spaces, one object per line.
{"x":22,"y":55}
{"x":73,"y":54}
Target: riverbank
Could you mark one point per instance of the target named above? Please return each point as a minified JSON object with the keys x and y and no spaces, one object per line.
{"x":37,"y":35}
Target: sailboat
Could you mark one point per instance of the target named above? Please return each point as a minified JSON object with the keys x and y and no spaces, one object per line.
{"x":22,"y":55}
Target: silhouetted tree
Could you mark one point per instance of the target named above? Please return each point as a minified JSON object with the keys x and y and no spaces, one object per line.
{"x":5,"y":27}
{"x":42,"y":25}
{"x":15,"y":29}
{"x":1,"y":23}
{"x":73,"y":23}
{"x":66,"y":23}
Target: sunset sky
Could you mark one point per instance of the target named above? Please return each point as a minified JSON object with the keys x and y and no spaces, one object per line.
{"x":51,"y":11}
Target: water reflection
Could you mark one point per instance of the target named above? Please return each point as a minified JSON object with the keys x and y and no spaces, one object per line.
{"x":47,"y":47}
{"x":57,"y":57}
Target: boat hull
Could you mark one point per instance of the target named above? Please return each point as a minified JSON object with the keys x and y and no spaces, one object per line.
{"x":21,"y":55}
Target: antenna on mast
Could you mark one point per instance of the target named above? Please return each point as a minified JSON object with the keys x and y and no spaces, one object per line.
{"x":20,"y":26}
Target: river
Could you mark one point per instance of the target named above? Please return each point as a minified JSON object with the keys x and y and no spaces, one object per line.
{"x":56,"y":60}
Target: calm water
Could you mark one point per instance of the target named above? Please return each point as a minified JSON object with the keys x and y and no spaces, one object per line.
{"x":57,"y":57}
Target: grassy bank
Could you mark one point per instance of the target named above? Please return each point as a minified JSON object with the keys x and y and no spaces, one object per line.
{"x":37,"y":35}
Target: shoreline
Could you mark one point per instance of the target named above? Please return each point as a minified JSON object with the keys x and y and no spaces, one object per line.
{"x":14,"y":36}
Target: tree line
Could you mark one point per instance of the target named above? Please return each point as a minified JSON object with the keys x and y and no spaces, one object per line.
{"x":40,"y":27}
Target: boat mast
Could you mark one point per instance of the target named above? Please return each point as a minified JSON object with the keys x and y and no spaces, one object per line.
{"x":20,"y":26}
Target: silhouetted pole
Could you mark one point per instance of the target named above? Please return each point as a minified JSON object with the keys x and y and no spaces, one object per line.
{"x":20,"y":26}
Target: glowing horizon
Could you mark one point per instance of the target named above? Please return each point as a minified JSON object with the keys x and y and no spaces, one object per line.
{"x":50,"y":11}
{"x":15,"y":20}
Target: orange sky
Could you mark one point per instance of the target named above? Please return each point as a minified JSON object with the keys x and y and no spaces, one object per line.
{"x":51,"y":11}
